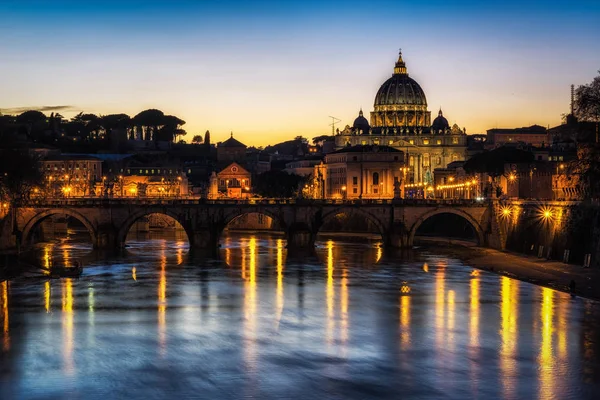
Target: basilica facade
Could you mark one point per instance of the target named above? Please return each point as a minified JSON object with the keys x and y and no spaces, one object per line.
{"x":401,"y":120}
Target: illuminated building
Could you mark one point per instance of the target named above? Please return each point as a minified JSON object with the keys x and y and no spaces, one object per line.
{"x":71,"y":175}
{"x":401,"y":120}
{"x":361,"y":172}
{"x":234,"y":181}
{"x":145,"y":181}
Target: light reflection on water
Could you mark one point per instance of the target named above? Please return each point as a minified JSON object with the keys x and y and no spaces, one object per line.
{"x":350,"y":322}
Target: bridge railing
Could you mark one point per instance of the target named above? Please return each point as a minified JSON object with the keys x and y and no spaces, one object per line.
{"x":104,"y":202}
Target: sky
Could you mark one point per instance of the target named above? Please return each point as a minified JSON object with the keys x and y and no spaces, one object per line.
{"x":272,"y":70}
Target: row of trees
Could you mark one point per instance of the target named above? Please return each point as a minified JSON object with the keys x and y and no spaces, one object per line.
{"x":587,"y":165}
{"x":150,"y":125}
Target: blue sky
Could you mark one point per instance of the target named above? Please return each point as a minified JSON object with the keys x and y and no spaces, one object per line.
{"x":269,"y":70}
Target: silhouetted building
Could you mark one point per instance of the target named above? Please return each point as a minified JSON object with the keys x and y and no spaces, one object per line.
{"x":231,"y":150}
{"x":534,"y":135}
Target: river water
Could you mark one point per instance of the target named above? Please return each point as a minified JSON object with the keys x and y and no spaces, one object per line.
{"x":351,"y":322}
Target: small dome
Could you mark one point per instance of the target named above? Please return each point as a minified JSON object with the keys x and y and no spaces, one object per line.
{"x":440,"y":124}
{"x":361,"y":123}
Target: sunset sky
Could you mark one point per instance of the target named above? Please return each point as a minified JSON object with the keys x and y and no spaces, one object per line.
{"x":271,"y":70}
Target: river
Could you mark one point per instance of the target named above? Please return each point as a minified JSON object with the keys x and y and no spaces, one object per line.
{"x":353,"y":321}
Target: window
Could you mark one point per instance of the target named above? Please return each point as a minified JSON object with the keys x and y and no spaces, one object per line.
{"x":364,"y":142}
{"x":375,"y":178}
{"x":426,"y":160}
{"x":439,"y":141}
{"x":355,"y":190}
{"x":375,"y":190}
{"x":425,"y":141}
{"x":411,"y":161}
{"x":439,"y":161}
{"x":411,"y":141}
{"x":261,"y":219}
{"x":454,"y":157}
{"x":355,"y":180}
{"x":390,"y":142}
{"x":354,"y":158}
{"x":454,"y":140}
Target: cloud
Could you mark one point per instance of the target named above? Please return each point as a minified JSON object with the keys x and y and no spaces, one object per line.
{"x":19,"y":110}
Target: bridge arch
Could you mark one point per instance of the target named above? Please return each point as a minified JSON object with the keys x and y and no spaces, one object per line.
{"x":238,"y":213}
{"x":354,"y":210}
{"x":447,"y":210}
{"x":125,"y":227}
{"x":39,"y":217}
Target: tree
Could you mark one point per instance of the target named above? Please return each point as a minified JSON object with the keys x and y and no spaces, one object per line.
{"x":116,"y":122}
{"x":320,"y":139}
{"x":150,"y":121}
{"x":587,"y":165}
{"x":34,"y":123}
{"x":197,"y":139}
{"x":20,"y":173}
{"x":492,"y":162}
{"x":171,"y":128}
{"x":207,"y":139}
{"x":587,"y":101}
{"x":277,"y":184}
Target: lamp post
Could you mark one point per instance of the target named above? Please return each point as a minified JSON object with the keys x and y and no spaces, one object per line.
{"x":344,"y":192}
{"x":404,"y":171}
{"x":121,"y":184}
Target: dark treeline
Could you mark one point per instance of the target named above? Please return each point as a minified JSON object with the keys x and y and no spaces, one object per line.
{"x":99,"y":131}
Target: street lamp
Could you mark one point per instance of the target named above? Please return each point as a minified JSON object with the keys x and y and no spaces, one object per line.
{"x":344,"y":192}
{"x":121,"y":184}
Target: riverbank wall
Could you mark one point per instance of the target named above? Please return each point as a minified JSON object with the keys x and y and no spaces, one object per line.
{"x":553,"y":232}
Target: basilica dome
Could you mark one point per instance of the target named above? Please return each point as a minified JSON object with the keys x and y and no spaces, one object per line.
{"x":400,"y":104}
{"x":400,"y":89}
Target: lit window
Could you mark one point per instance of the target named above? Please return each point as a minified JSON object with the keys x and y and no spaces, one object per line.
{"x":425,"y":141}
{"x":411,"y":141}
{"x":439,"y":141}
{"x":454,"y":140}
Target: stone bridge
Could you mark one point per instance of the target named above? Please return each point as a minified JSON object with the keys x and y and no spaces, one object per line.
{"x":109,"y":220}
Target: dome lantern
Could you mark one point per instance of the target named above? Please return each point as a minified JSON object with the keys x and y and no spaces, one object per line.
{"x":400,"y":68}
